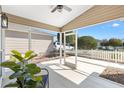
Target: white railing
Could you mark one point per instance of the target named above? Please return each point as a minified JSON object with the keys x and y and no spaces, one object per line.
{"x":115,"y":56}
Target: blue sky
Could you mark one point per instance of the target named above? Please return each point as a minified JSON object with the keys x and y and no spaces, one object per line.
{"x":113,"y":29}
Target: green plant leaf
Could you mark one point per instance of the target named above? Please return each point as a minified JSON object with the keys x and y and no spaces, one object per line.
{"x":12,"y":65}
{"x":33,"y":69}
{"x":28,"y":53}
{"x":18,"y":58}
{"x":12,"y":85}
{"x":32,"y":65}
{"x":16,"y":68}
{"x":37,"y":78}
{"x":31,"y":84}
{"x":15,"y":52}
{"x":15,"y":75}
{"x":32,"y":56}
{"x":8,"y":64}
{"x":12,"y":58}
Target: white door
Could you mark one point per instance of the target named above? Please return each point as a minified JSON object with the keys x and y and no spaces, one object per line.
{"x":70,"y":48}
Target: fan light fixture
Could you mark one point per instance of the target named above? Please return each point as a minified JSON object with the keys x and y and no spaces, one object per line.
{"x":60,"y":8}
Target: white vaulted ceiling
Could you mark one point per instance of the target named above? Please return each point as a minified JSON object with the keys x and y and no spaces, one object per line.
{"x":42,"y":13}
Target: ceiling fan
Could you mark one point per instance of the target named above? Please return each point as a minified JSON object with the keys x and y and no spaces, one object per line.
{"x":59,"y":8}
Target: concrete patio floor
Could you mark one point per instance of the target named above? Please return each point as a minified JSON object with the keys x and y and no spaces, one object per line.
{"x":85,"y":76}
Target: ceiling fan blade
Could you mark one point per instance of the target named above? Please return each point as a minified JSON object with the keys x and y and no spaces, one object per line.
{"x":54,"y":9}
{"x":67,"y":8}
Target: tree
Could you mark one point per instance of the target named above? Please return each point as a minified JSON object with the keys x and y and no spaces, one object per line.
{"x":115,"y":42}
{"x":70,"y":39}
{"x":87,"y":42}
{"x":105,"y":43}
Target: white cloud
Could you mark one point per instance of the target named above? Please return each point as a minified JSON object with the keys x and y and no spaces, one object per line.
{"x":115,"y":25}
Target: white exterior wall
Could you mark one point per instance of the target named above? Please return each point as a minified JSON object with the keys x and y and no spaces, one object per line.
{"x":17,"y":37}
{"x":13,"y":41}
{"x":41,"y":43}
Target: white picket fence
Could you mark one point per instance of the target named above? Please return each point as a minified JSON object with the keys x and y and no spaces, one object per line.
{"x":115,"y":56}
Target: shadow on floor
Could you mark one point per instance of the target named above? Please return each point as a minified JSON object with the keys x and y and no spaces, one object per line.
{"x":69,"y":78}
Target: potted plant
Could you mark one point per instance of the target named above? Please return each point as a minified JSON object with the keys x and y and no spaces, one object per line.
{"x":27,"y":74}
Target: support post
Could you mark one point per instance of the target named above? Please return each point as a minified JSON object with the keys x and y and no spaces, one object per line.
{"x":64,"y":47}
{"x":29,"y":39}
{"x":60,"y":38}
{"x":2,"y":46}
{"x":76,"y":48}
